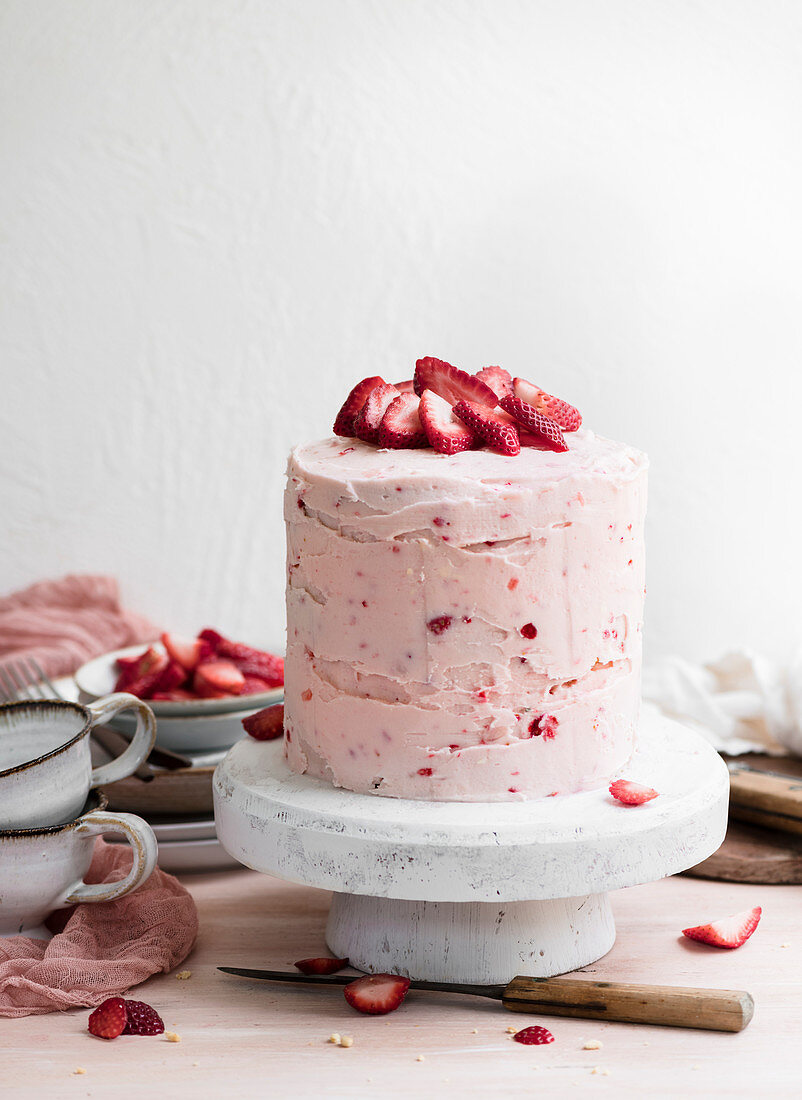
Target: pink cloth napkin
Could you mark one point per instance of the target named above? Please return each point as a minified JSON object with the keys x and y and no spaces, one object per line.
{"x":63,"y":623}
{"x":103,"y":949}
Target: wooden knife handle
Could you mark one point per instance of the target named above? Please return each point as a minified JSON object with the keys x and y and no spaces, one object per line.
{"x":766,"y":799}
{"x":671,"y":1006}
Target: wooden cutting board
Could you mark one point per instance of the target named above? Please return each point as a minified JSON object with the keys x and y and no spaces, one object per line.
{"x":751,"y":853}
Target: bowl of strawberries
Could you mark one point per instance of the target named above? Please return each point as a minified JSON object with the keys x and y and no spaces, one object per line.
{"x":199,"y":688}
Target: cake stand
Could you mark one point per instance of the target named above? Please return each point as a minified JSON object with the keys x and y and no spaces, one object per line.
{"x":467,"y":891}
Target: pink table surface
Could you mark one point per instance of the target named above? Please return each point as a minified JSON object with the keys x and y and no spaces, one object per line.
{"x":251,"y":1039}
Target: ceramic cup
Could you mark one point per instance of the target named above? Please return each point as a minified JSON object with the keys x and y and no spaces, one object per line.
{"x":42,"y":870}
{"x":45,"y":763}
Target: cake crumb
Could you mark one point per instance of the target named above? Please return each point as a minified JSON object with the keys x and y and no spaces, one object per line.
{"x":785,"y":945}
{"x":172,"y":1037}
{"x":196,"y":1063}
{"x":592,"y":1044}
{"x":474,"y":1031}
{"x":420,"y":1058}
{"x":347,"y":1041}
{"x":601,"y":1072}
{"x":78,"y":1071}
{"x":511,"y":1030}
{"x":697,"y":1066}
{"x":182,"y":975}
{"x":334,"y":1038}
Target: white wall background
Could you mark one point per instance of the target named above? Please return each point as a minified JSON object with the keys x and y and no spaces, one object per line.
{"x":216,"y":215}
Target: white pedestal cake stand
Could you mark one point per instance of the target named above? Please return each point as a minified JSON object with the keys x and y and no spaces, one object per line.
{"x":467,"y":891}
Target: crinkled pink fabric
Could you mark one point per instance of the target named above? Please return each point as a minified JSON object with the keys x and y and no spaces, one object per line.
{"x":104,"y":948}
{"x":63,"y":623}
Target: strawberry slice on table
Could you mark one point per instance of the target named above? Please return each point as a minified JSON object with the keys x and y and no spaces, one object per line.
{"x":547,"y":432}
{"x":376,"y":994}
{"x":498,"y":379}
{"x":187,"y":652}
{"x":217,"y":678}
{"x":451,"y":383}
{"x":533,"y":1036}
{"x":142,"y":1019}
{"x":321,"y":966}
{"x":563,"y":414}
{"x":631,"y":794}
{"x":368,"y":420}
{"x":401,"y":426}
{"x":267,"y":724}
{"x":109,"y":1018}
{"x":727,"y":932}
{"x":445,"y":432}
{"x":496,"y":429}
{"x":344,"y":423}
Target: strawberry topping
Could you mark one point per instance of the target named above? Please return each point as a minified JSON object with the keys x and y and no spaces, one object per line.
{"x":367,"y":421}
{"x":376,"y":994}
{"x":533,"y":1036}
{"x":495,"y":428}
{"x":547,"y":433}
{"x":631,"y":794}
{"x":344,"y":424}
{"x":401,"y":426}
{"x":563,"y":414}
{"x":498,"y":379}
{"x":444,"y":431}
{"x":451,"y":383}
{"x":727,"y":932}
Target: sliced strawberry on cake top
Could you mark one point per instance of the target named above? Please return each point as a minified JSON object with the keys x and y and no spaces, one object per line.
{"x":451,"y":383}
{"x":563,"y":414}
{"x":445,"y":432}
{"x":547,"y":432}
{"x":495,"y":428}
{"x":498,"y":379}
{"x":401,"y":426}
{"x":344,"y":424}
{"x":367,"y":421}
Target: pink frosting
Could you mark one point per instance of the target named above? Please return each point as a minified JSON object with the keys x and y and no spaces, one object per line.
{"x":466,"y":627}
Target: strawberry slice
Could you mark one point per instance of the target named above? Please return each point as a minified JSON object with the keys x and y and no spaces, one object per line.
{"x":445,"y":433}
{"x":727,"y":932}
{"x":146,"y":675}
{"x":213,"y":637}
{"x":407,"y":386}
{"x":187,"y":652}
{"x":267,"y":724}
{"x":498,"y":379}
{"x":344,"y":424}
{"x":563,"y":414}
{"x":368,"y":420}
{"x":451,"y":383}
{"x":172,"y":677}
{"x":376,"y":994}
{"x":631,"y":794}
{"x":533,"y":1036}
{"x":253,"y":662}
{"x":176,"y":695}
{"x":496,"y":429}
{"x":254,"y":685}
{"x":217,"y":678}
{"x":546,"y":431}
{"x":321,"y":966}
{"x":109,"y":1018}
{"x":401,"y":426}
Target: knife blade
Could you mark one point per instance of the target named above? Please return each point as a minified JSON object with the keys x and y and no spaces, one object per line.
{"x":670,"y":1006}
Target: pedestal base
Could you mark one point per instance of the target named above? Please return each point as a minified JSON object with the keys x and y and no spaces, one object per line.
{"x":474,"y":892}
{"x":473,"y":942}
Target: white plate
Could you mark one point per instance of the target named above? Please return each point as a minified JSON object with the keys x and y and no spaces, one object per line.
{"x":178,"y":831}
{"x":178,"y":856}
{"x":98,"y":677}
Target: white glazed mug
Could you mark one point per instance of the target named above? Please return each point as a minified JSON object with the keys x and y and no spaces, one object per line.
{"x":45,"y":762}
{"x":42,"y":870}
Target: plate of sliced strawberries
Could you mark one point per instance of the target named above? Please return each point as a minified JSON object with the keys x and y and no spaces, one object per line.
{"x":199,"y":688}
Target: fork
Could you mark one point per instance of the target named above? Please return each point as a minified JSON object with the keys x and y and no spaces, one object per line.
{"x":24,"y":680}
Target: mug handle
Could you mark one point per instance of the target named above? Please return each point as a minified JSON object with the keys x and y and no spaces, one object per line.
{"x":141,"y":744}
{"x":143,"y":842}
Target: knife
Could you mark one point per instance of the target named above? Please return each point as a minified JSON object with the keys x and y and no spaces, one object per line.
{"x":671,"y":1006}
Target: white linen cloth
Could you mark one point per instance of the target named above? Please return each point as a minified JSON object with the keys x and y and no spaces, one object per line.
{"x":740,"y":703}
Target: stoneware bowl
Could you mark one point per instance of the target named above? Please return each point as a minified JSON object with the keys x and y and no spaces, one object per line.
{"x":42,"y":869}
{"x":45,"y":765}
{"x":198,"y":725}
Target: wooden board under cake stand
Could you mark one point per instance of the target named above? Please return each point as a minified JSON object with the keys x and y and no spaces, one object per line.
{"x":473,"y":892}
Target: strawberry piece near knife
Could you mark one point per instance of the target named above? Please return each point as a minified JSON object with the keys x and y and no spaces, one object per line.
{"x":323,"y":965}
{"x":377,"y":994}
